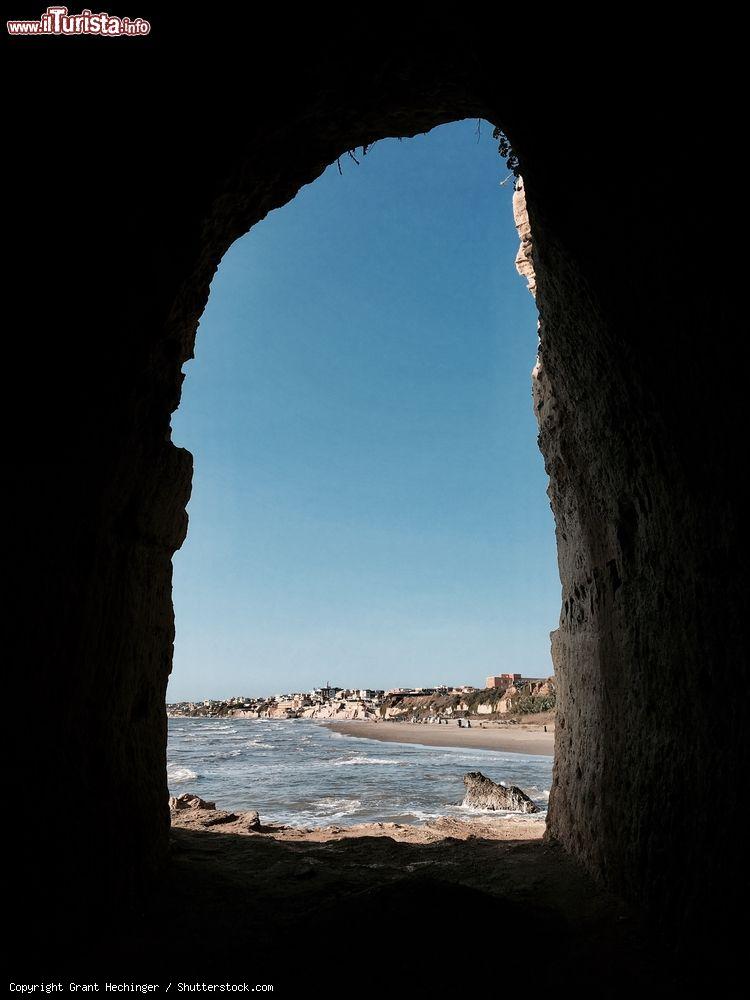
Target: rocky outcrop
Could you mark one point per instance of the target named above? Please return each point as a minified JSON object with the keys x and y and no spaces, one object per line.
{"x":483,"y":793}
{"x":220,"y":818}
{"x":282,"y":710}
{"x":524,"y":259}
{"x":189,"y":801}
{"x":343,"y":711}
{"x":192,"y":812}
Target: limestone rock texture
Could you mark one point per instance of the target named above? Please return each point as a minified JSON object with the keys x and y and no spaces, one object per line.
{"x":483,"y":793}
{"x":525,"y":256}
{"x":640,"y":422}
{"x":341,"y":711}
{"x":188,"y":801}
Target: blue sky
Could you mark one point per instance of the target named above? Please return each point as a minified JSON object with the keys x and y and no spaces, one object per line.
{"x":369,"y":503}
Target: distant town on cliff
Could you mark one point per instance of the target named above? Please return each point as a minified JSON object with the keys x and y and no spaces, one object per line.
{"x":502,"y":695}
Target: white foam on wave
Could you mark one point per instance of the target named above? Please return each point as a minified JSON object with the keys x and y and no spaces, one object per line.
{"x":500,"y":813}
{"x":258,"y":745}
{"x":474,"y":811}
{"x":226,"y":754}
{"x":343,"y":806}
{"x":321,"y":812}
{"x":534,"y":792}
{"x":350,"y":761}
{"x":177,"y":774}
{"x":423,"y":816}
{"x":331,"y":808}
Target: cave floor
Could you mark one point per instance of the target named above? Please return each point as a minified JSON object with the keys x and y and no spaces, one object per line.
{"x":466,"y":911}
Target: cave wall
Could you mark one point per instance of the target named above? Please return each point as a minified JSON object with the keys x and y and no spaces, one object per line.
{"x":144,"y":193}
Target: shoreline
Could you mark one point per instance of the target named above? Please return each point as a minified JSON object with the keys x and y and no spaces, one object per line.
{"x":206,"y":818}
{"x":533,"y":741}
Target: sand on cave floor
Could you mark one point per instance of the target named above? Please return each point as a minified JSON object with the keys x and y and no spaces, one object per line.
{"x":480,"y":902}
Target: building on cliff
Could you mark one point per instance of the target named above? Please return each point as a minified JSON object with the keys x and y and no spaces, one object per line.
{"x":502,"y":681}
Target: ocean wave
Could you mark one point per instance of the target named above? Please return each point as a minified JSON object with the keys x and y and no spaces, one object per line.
{"x":369,"y":760}
{"x":500,"y":813}
{"x":534,"y":792}
{"x":305,"y":776}
{"x":330,"y":808}
{"x":424,"y":817}
{"x":177,"y":774}
{"x":474,"y":811}
{"x":321,"y":812}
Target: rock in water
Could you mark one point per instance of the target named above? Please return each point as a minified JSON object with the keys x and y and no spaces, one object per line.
{"x":482,"y":793}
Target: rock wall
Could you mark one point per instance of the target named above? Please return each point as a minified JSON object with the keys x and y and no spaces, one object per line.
{"x":639,"y":423}
{"x":646,"y":533}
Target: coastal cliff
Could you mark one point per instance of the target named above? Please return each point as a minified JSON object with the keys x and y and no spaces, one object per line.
{"x":528,"y":697}
{"x":522,"y":697}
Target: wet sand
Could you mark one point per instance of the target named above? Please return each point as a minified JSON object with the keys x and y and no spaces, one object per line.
{"x":529,"y":739}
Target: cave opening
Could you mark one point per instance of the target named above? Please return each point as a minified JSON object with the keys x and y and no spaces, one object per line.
{"x":369,"y":504}
{"x":639,"y":431}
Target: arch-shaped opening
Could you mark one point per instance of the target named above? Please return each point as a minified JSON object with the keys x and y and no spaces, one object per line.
{"x":371,"y":505}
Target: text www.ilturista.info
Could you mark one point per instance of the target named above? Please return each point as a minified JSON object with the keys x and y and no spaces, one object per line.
{"x":57,"y":21}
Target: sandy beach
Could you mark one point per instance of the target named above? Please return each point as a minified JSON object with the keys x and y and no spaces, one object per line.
{"x":529,"y":738}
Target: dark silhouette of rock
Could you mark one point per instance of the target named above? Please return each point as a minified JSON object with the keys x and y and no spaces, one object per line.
{"x":483,"y":793}
{"x":253,"y":820}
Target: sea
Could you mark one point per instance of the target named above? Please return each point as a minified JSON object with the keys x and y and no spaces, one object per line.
{"x":300,"y":773}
